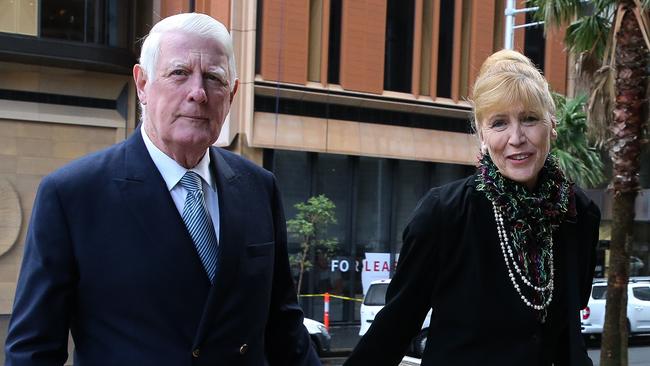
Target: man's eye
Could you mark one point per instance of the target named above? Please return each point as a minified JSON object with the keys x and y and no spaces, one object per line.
{"x":178,"y":72}
{"x":215,"y":78}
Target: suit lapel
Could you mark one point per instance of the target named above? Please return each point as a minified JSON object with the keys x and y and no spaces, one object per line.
{"x":150,"y":202}
{"x":231,"y":241}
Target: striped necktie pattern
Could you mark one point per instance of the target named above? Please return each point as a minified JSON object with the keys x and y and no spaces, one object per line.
{"x":198,"y":223}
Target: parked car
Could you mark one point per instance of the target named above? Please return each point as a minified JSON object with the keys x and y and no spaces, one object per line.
{"x":638,"y":307}
{"x":374,"y":301}
{"x":320,"y":337}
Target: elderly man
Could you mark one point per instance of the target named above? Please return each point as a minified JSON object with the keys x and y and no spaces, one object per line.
{"x":162,"y":250}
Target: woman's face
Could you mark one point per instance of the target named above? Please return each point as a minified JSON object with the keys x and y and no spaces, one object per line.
{"x":518,"y":141}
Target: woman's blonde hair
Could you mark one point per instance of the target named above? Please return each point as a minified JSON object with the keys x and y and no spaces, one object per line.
{"x":509,"y":78}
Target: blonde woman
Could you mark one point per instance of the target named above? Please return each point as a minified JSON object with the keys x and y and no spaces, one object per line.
{"x":505,"y":257}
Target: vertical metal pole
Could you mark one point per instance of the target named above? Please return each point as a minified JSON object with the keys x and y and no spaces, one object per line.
{"x":510,"y":25}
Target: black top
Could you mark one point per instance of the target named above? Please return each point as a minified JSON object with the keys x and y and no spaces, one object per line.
{"x":451,"y":261}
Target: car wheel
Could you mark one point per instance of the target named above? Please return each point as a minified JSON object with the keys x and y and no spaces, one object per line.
{"x":419,"y":343}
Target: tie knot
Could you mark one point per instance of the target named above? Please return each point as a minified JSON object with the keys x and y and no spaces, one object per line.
{"x":191,"y":181}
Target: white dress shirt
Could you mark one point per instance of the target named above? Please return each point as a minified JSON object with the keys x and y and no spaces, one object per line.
{"x":172,"y":172}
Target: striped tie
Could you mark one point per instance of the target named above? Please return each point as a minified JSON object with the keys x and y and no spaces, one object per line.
{"x":197,"y":220}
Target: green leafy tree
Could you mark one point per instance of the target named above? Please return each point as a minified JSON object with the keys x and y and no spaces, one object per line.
{"x":578,"y":158}
{"x":616,"y":32}
{"x":309,"y":228}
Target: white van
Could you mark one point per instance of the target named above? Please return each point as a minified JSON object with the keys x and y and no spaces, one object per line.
{"x":374,"y":301}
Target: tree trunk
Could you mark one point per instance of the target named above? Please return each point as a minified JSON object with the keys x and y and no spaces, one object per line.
{"x":625,"y":149}
{"x":614,"y":341}
{"x":303,"y":258}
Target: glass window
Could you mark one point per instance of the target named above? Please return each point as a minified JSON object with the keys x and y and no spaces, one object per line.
{"x":373,"y":206}
{"x":399,"y":45}
{"x":91,"y":21}
{"x":599,"y":292}
{"x":288,"y":165}
{"x":374,"y":198}
{"x":642,"y":293}
{"x":334,"y":47}
{"x":445,"y":43}
{"x":332,"y":175}
{"x":333,"y":180}
{"x":535,"y":44}
{"x":446,"y":173}
{"x":407,"y":193}
{"x":376,"y":295}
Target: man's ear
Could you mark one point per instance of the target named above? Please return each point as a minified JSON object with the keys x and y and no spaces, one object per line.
{"x":140,"y":78}
{"x":234,"y":90}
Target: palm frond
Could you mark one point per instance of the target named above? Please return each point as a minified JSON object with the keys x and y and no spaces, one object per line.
{"x":588,"y":34}
{"x":577,"y":156}
{"x":556,"y":12}
{"x":604,"y":6}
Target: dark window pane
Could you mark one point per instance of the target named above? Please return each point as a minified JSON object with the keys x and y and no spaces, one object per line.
{"x":373,"y":206}
{"x":407,"y":193}
{"x":333,"y":181}
{"x":292,"y":173}
{"x":376,"y":295}
{"x":64,"y":19}
{"x":446,"y":173}
{"x":104,"y":22}
{"x":334,"y":47}
{"x":599,"y":292}
{"x":446,"y":46}
{"x":399,"y":45}
{"x":535,"y":45}
{"x":642,"y":293}
{"x":258,"y":36}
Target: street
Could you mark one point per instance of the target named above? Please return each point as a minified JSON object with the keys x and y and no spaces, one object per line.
{"x":639,"y":354}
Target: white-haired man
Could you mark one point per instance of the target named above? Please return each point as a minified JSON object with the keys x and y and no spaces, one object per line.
{"x":162,"y":250}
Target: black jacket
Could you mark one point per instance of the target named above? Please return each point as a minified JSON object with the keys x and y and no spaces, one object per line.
{"x":108,"y":257}
{"x":451,"y":261}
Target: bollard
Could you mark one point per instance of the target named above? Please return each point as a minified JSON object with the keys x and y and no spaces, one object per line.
{"x":326,"y":311}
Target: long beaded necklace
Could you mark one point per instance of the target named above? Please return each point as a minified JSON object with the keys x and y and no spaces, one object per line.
{"x":545,"y":291}
{"x":527,"y":248}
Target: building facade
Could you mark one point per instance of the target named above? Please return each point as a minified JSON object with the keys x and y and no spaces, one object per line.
{"x":363,"y":101}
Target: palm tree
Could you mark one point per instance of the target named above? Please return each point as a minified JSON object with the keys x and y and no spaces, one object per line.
{"x":578,"y":158}
{"x":618,"y":32}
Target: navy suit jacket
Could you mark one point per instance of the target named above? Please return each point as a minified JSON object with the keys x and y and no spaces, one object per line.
{"x":107,"y":256}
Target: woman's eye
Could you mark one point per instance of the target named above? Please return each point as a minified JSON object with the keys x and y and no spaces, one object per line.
{"x":530,"y":119}
{"x":498,"y":124}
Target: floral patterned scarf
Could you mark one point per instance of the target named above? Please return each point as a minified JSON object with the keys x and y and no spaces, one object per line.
{"x":530,"y":216}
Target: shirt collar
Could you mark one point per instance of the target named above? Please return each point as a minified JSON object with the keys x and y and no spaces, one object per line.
{"x":171,"y":171}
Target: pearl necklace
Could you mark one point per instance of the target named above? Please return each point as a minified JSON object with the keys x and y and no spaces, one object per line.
{"x":511,"y":263}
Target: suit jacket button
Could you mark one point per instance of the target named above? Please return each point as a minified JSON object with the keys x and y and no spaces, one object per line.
{"x":243,"y":349}
{"x":196,"y":353}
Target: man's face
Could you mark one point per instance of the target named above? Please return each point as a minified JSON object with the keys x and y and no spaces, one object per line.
{"x":189,"y":99}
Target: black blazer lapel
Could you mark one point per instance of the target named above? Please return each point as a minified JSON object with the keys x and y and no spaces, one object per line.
{"x":146,"y":195}
{"x":231,"y":241}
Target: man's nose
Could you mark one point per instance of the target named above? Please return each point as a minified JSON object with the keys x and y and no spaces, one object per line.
{"x":197,"y":90}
